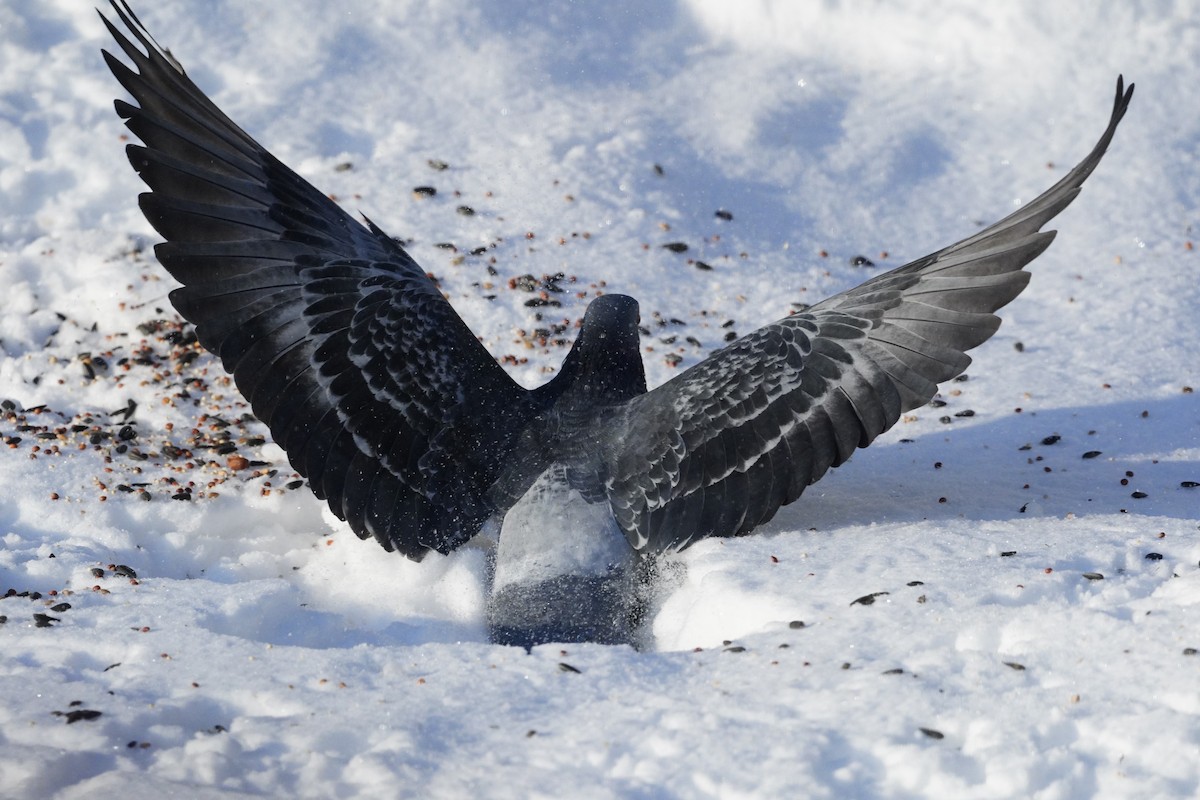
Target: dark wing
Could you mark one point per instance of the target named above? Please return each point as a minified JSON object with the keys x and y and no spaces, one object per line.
{"x":380,"y":394}
{"x":717,"y":450}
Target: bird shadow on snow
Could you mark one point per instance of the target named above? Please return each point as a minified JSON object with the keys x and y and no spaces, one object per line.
{"x":1016,"y":466}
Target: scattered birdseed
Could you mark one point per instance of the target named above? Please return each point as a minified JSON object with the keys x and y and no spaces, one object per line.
{"x":77,"y":715}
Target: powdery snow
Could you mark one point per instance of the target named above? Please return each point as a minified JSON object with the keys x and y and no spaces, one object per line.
{"x":986,"y":612}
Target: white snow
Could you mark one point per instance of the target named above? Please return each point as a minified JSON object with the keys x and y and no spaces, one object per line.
{"x":265,"y":651}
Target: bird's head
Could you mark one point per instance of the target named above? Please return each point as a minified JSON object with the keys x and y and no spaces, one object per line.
{"x":605,"y":363}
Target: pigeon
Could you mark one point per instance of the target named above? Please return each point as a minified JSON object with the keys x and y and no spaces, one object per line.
{"x":415,"y":436}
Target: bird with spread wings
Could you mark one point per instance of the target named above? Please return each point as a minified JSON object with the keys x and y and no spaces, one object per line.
{"x":410,"y":430}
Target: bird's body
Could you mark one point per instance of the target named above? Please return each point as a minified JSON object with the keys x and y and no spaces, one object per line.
{"x":408,"y":428}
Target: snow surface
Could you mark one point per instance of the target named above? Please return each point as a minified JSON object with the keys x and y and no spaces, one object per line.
{"x":263,"y":650}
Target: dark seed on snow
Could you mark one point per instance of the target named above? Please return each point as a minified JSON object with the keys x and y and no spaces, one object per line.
{"x":97,"y":572}
{"x":1189,"y":484}
{"x":80,"y":713}
{"x":932,"y":734}
{"x":1053,"y":439}
{"x":796,"y":624}
{"x":725,"y":215}
{"x":565,"y":667}
{"x":730,"y":336}
{"x":861,"y":261}
{"x":867,"y":599}
{"x":293,"y":485}
{"x":45,"y":620}
{"x":1189,"y":651}
{"x":466,"y":211}
{"x":437,"y":164}
{"x":702,"y":265}
{"x":1139,"y":495}
{"x":1014,"y":665}
{"x":676,"y":247}
{"x":965,"y":413}
{"x":945,"y":420}
{"x":735,"y":649}
{"x":896,"y":671}
{"x":1154,"y":556}
{"x":1093,"y":576}
{"x":122,"y":571}
{"x":1007,"y":553}
{"x":1091,"y":454}
{"x":424,"y":191}
{"x":3,"y":619}
{"x":1019,"y":347}
{"x":915,"y":583}
{"x":937,"y":403}
{"x":61,"y":607}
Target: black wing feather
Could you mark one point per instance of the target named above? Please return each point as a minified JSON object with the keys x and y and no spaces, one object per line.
{"x":770,"y":414}
{"x":338,"y":339}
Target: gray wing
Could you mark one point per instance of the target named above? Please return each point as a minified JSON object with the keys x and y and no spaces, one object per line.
{"x":717,"y":450}
{"x":380,"y":394}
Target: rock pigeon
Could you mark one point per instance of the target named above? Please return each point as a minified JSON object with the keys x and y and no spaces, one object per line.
{"x":404,"y":423}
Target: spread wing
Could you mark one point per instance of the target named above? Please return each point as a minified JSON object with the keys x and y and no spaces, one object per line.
{"x":717,"y":450}
{"x":380,"y":394}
